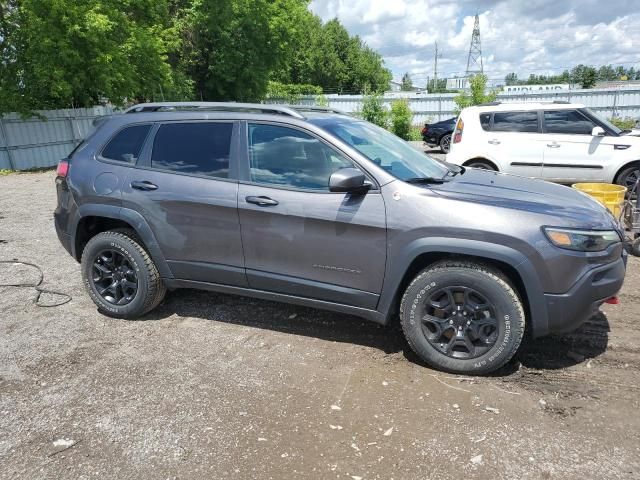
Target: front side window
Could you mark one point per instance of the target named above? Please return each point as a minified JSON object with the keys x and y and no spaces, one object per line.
{"x":567,"y":121}
{"x":384,"y":149}
{"x":127,"y":144}
{"x":526,"y":122}
{"x":289,"y":157}
{"x":201,"y":148}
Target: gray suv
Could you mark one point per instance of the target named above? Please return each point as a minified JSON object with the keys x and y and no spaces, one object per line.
{"x":313,"y":207}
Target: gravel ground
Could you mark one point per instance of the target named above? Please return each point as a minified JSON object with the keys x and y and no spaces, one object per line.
{"x":216,"y":386}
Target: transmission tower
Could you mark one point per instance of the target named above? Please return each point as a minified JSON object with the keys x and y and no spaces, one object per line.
{"x":474,"y":61}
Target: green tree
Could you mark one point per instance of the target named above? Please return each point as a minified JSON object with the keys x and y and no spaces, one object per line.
{"x":511,"y":79}
{"x":231,"y":47}
{"x":80,"y":52}
{"x":584,"y":75}
{"x":374,"y":111}
{"x":407,"y":83}
{"x":401,"y":118}
{"x":476,"y":95}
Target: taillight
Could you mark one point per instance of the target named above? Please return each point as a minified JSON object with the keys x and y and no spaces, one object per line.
{"x":424,"y":130}
{"x":457,"y":136}
{"x":63,"y":168}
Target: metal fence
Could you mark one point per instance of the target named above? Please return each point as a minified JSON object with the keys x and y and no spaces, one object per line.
{"x":41,"y":141}
{"x":620,"y":102}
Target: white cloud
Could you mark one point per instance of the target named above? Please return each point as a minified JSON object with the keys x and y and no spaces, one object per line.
{"x":532,"y":36}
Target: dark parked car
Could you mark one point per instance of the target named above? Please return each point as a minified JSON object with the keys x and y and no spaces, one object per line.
{"x":314,"y":207}
{"x":439,"y":134}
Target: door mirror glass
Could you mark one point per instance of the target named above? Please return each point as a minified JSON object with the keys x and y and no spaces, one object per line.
{"x":348,"y":180}
{"x":597,"y":132}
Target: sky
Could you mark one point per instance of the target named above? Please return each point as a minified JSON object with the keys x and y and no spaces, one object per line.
{"x":522,"y":36}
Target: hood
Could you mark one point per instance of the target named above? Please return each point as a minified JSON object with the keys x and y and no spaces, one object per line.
{"x":565,"y":205}
{"x":634,"y":132}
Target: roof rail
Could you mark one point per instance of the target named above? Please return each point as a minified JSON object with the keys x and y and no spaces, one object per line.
{"x":489,"y":104}
{"x":217,"y":106}
{"x":305,"y":108}
{"x":562,"y":102}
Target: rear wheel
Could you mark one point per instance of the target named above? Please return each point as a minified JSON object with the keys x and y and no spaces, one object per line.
{"x":635,"y":247}
{"x":482,"y":164}
{"x":445,"y":143}
{"x":120,"y":276}
{"x":462,"y":317}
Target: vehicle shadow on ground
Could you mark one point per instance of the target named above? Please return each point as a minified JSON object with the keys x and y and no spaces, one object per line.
{"x":547,"y":353}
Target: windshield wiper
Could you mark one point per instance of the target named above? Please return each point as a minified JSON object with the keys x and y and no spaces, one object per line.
{"x":425,"y":180}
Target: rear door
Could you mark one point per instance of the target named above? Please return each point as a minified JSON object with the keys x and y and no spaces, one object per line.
{"x":571,"y":153}
{"x":299,"y":238}
{"x":185,"y":185}
{"x":512,"y":140}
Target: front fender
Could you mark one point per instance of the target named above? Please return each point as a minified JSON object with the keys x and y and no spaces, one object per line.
{"x":539,"y":319}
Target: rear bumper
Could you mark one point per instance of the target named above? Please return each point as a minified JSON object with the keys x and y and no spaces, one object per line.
{"x":65,"y":239}
{"x":569,"y":310}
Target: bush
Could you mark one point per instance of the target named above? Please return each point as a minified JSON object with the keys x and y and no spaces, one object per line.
{"x":476,"y":94}
{"x":401,"y":118}
{"x":623,"y":123}
{"x":374,"y":111}
{"x":416,"y":133}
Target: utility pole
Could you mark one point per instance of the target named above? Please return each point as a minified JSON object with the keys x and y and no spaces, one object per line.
{"x":474,"y":60}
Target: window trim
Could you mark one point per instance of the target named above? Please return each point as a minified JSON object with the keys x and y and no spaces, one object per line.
{"x":112,"y":161}
{"x":145,"y":159}
{"x":544,"y":121}
{"x":536,"y":112}
{"x":245,"y":170}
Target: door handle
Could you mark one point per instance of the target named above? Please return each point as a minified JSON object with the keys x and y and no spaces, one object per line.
{"x":553,"y":145}
{"x":494,"y":142}
{"x":262,"y":201}
{"x":143,"y":185}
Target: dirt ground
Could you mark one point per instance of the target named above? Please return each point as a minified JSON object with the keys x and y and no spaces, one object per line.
{"x":215,"y":386}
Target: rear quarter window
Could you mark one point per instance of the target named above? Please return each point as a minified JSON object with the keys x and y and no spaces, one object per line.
{"x":485,"y":121}
{"x":126,"y":145}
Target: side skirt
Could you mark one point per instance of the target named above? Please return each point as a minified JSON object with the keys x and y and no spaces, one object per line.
{"x":367,"y":314}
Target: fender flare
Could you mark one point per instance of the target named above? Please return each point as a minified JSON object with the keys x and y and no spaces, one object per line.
{"x":539,"y":318}
{"x":133,"y":218}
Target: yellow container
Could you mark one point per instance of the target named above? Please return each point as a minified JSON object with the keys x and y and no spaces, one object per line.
{"x":611,"y":196}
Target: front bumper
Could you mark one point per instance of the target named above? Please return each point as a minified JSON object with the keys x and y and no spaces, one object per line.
{"x":569,"y":310}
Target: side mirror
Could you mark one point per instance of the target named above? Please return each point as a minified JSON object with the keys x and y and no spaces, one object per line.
{"x":597,"y":132}
{"x":348,"y":180}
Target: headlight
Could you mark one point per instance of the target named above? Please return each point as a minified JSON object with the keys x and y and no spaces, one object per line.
{"x":582,"y":240}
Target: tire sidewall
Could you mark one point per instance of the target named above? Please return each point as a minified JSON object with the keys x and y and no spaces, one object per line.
{"x":441,"y":143}
{"x":124,"y":246}
{"x":510,"y":319}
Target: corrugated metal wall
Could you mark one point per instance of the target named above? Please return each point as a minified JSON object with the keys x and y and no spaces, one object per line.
{"x":433,"y":107}
{"x":42,"y":141}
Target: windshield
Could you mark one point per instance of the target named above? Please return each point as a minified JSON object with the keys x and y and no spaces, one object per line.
{"x":602,"y":120}
{"x":385,"y":149}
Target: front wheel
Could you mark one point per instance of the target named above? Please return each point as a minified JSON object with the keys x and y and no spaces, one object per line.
{"x":462,"y":317}
{"x":628,"y":177}
{"x":120,"y":276}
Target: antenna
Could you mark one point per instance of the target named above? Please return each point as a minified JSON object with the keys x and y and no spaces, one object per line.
{"x":474,"y":61}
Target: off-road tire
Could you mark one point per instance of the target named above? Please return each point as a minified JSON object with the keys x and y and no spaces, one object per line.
{"x":493,"y":285}
{"x":151,"y":288}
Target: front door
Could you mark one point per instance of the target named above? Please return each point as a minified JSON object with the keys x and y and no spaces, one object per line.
{"x":571,"y":153}
{"x":298,"y":237}
{"x":185,"y":186}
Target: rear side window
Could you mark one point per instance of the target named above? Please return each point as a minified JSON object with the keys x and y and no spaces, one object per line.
{"x":127,"y":144}
{"x":567,"y":121}
{"x":485,"y":121}
{"x":195,"y":148}
{"x":515,"y":122}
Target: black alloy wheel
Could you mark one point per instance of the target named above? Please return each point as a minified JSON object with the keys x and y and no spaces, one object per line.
{"x":114,"y":278}
{"x":459,"y":322}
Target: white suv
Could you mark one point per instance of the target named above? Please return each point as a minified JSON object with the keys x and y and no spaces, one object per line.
{"x":559,"y":141}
